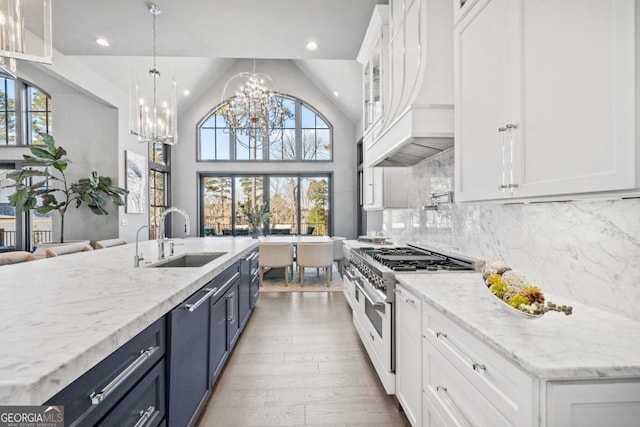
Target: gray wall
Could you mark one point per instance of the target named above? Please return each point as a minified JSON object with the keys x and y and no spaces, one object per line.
{"x":90,"y":117}
{"x":87,"y":128}
{"x":287,"y":78}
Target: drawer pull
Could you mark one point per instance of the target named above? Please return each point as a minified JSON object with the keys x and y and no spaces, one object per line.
{"x":479,"y":368}
{"x":145,"y":416}
{"x":194,"y":307}
{"x":403,"y":298}
{"x":443,"y":395}
{"x":96,"y":398}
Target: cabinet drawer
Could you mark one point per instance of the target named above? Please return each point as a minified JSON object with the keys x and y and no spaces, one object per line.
{"x":509,"y":388}
{"x":90,"y":397}
{"x":144,"y":406}
{"x":452,"y":396}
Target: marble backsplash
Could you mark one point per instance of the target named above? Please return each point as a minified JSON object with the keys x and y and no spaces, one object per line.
{"x":588,"y":251}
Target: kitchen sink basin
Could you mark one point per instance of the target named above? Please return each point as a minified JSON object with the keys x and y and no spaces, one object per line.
{"x":189,"y":260}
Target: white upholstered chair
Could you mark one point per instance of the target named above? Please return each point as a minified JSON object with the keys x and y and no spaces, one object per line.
{"x":314,"y":255}
{"x":101,"y":244}
{"x":67,"y":249}
{"x":338,"y":252}
{"x":276,"y":255}
{"x":8,"y":258}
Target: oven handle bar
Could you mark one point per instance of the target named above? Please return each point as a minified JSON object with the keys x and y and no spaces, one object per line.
{"x":350,"y":275}
{"x":377,"y":304}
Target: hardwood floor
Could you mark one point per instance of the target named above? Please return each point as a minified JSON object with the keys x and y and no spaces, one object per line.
{"x":300,"y":362}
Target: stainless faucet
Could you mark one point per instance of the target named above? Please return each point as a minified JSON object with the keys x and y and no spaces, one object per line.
{"x":163,"y":238}
{"x":137,"y":258}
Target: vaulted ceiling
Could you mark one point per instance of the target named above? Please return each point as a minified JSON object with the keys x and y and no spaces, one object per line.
{"x":201,"y":38}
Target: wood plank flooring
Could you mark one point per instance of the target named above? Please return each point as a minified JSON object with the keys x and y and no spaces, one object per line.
{"x":300,"y":362}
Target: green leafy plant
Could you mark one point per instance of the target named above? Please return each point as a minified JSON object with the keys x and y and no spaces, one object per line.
{"x":256,"y":216}
{"x":53,"y":192}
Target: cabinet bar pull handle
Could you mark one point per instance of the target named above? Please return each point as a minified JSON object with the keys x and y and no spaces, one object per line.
{"x":233,"y":311}
{"x":511,"y":126}
{"x":479,"y":368}
{"x":96,"y":398}
{"x":444,"y":396}
{"x":145,"y":416}
{"x":403,"y":298}
{"x":193,"y":307}
{"x":504,"y":186}
{"x":502,"y":129}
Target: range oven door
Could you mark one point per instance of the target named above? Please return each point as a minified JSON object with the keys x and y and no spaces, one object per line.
{"x":372,"y":317}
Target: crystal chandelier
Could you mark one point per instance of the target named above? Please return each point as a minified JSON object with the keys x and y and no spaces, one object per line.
{"x":154,"y":122}
{"x":12,"y":35}
{"x":254,"y":109}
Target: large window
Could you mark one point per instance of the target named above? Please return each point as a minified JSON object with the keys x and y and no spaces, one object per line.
{"x":304,"y":136}
{"x":23,"y":129}
{"x":298,"y":203}
{"x":20,"y":231}
{"x":159,"y":179}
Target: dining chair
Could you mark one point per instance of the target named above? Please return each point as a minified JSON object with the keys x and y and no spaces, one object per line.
{"x":275,"y":255}
{"x":66,"y":250}
{"x":314,"y":255}
{"x":16,"y":257}
{"x":102,"y":244}
{"x":338,"y":253}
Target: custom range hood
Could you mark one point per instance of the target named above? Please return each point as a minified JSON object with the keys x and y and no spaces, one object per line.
{"x":417,"y":120}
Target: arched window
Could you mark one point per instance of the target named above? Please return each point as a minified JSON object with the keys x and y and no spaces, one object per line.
{"x":17,"y":95}
{"x":305,"y":135}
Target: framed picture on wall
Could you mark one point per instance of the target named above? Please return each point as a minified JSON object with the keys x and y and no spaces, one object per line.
{"x":136,"y":183}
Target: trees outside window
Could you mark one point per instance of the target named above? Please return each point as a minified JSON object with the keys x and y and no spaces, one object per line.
{"x":303,"y":136}
{"x":23,"y":129}
{"x":297,"y":203}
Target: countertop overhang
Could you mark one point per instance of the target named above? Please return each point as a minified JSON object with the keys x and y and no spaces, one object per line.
{"x":61,"y":316}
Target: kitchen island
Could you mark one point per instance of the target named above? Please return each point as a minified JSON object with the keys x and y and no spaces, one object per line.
{"x":61,"y":316}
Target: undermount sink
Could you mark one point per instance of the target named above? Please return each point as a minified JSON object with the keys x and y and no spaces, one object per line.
{"x":189,"y":260}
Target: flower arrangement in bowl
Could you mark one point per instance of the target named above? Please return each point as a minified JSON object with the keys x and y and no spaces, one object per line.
{"x":517,"y":294}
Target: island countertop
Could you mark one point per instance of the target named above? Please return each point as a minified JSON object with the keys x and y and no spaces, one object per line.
{"x":61,"y":316}
{"x":590,"y":343}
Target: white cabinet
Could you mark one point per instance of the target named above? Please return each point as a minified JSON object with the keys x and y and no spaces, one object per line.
{"x":469,"y":379}
{"x":385,"y":188}
{"x":408,"y":354}
{"x":544,"y":98}
{"x":593,"y":403}
{"x":465,"y":382}
{"x":373,"y":57}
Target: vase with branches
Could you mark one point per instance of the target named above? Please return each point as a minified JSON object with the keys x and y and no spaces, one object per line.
{"x":51,"y":190}
{"x":256,"y":216}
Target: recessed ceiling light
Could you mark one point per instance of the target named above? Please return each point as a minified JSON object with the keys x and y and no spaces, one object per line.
{"x":102,"y":42}
{"x":312,"y":45}
{"x":336,"y":93}
{"x":187,"y":92}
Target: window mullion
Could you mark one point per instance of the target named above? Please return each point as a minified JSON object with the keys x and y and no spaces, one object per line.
{"x":298,"y":132}
{"x":21,"y":113}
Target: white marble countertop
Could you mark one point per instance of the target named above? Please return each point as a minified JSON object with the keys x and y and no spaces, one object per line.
{"x":61,"y":316}
{"x":590,"y":343}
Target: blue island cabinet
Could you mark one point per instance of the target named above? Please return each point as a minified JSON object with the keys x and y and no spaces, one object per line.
{"x":128,"y":386}
{"x":191,"y":347}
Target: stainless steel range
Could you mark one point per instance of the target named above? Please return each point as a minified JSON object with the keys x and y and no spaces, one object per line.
{"x":369,"y":286}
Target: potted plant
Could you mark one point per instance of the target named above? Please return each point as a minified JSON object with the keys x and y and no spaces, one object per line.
{"x":54,"y":192}
{"x":256,"y":217}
